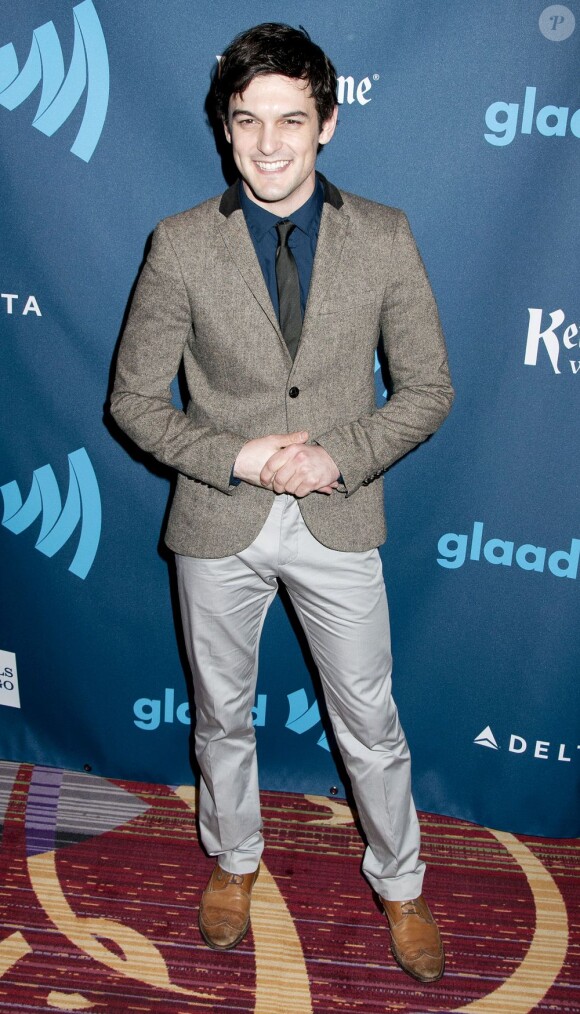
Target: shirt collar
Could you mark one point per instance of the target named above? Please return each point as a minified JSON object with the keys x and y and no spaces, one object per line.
{"x":230,"y":200}
{"x":306,"y":217}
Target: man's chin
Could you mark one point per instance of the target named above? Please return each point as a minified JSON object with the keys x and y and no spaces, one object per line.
{"x":269,"y":192}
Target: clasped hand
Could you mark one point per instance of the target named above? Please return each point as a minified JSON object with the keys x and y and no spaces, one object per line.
{"x":285,"y":463}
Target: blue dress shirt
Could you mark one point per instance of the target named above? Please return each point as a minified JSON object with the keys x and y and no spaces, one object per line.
{"x":302,"y":240}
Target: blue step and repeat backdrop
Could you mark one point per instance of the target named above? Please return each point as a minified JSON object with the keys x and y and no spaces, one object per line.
{"x":468,"y":117}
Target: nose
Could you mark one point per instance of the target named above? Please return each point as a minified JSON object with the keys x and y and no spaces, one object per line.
{"x":269,"y":139}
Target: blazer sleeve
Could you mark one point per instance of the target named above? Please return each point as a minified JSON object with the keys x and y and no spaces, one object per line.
{"x":150,"y":354}
{"x":421,"y":388}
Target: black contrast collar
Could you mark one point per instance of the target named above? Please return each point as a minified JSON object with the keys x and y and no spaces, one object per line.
{"x":230,"y":201}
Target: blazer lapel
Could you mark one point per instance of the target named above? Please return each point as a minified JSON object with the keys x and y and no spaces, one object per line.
{"x":235,"y":235}
{"x":334,"y":227}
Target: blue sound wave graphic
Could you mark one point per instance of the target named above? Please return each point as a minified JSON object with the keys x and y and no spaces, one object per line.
{"x":83,"y":503}
{"x":380,"y":389}
{"x":89,"y":69}
{"x":302,"y":717}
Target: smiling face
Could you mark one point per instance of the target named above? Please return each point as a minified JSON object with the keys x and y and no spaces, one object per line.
{"x":274,"y":132}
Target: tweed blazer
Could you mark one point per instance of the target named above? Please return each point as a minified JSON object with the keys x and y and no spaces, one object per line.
{"x":202,"y":298}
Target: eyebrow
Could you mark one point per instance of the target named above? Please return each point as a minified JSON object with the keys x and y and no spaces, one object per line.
{"x":283,"y":116}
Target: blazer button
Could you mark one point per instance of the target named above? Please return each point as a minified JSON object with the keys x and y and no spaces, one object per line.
{"x":294,"y":392}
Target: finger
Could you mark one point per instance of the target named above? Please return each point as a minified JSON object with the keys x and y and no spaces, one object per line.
{"x":268,"y":473}
{"x":299,"y":437}
{"x":285,"y":483}
{"x":297,"y":484}
{"x":279,"y":460}
{"x":304,"y":489}
{"x":289,"y":475}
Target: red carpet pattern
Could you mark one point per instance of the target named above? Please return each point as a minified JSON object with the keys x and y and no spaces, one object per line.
{"x":101,"y":881}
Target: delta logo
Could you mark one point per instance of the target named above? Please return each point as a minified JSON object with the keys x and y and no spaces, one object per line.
{"x":538,"y":749}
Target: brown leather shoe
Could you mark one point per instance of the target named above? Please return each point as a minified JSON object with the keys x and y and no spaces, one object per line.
{"x":415,"y":940}
{"x":224,"y":912}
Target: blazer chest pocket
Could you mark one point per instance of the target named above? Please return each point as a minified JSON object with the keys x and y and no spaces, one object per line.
{"x":348,"y":300}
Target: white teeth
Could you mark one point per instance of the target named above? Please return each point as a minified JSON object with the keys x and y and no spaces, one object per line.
{"x":272,"y":166}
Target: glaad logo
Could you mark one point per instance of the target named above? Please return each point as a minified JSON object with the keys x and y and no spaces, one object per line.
{"x":380,"y":390}
{"x":551,"y":121}
{"x":453,"y":550}
{"x":550,"y":339}
{"x":302,"y":717}
{"x":543,"y":749}
{"x":83,"y":503}
{"x":9,"y":693}
{"x":89,"y":69}
{"x":149,"y":712}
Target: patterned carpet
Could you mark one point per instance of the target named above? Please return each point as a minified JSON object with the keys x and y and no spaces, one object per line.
{"x":101,"y":879}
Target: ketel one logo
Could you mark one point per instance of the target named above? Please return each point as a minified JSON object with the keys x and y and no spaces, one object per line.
{"x":88,"y":70}
{"x":347,"y":88}
{"x":83,"y":504}
{"x":558,"y":336}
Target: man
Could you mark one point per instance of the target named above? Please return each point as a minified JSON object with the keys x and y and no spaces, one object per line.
{"x":275,"y":296}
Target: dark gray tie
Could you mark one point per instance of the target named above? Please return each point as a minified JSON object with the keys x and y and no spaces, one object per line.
{"x":288,"y":289}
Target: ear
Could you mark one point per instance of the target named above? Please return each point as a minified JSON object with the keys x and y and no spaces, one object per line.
{"x":227,"y":132}
{"x":328,"y":127}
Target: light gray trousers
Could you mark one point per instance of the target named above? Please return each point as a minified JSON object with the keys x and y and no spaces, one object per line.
{"x":341,"y":603}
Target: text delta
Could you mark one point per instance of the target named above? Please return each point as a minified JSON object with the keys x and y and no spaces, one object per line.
{"x":552,"y":121}
{"x":543,"y":749}
{"x":455,"y":549}
{"x":30,"y":306}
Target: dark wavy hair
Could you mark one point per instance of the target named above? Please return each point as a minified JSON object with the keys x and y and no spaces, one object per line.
{"x":273,"y":48}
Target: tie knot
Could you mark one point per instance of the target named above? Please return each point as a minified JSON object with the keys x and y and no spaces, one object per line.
{"x":284,"y":228}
